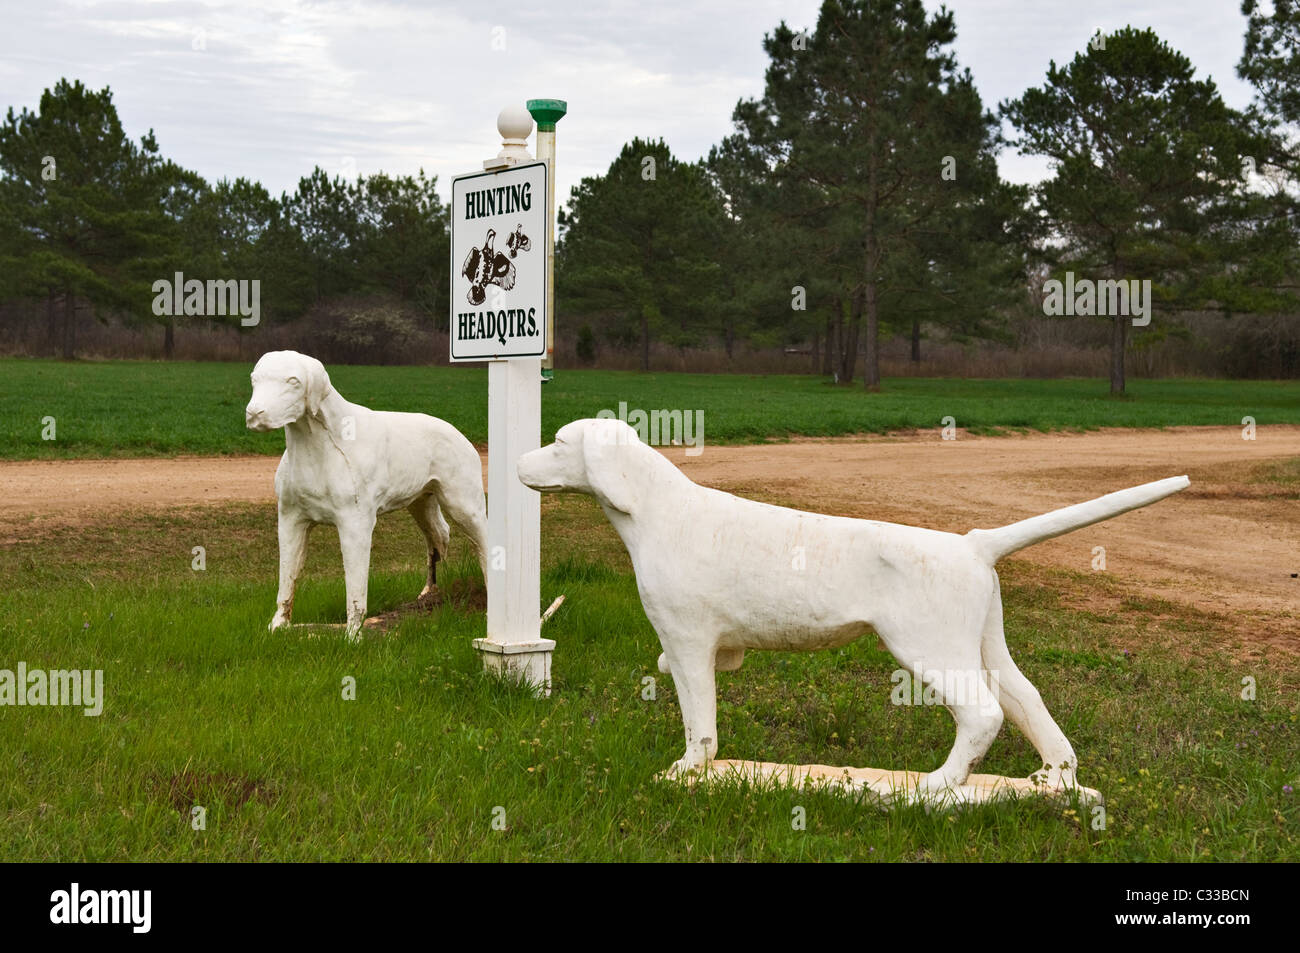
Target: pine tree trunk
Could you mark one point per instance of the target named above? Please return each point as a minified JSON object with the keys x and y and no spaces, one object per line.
{"x":871,"y":372}
{"x":51,"y":321}
{"x":816,"y":351}
{"x":849,"y":349}
{"x":730,"y":340}
{"x":69,"y":325}
{"x":828,"y":352}
{"x":645,"y":340}
{"x":916,"y":340}
{"x":169,"y":339}
{"x":1118,"y":331}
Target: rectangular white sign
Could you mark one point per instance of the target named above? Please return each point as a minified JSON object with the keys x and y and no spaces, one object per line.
{"x":498,"y":264}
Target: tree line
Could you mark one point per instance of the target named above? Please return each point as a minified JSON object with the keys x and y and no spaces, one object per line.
{"x":90,"y":220}
{"x":857,"y":199}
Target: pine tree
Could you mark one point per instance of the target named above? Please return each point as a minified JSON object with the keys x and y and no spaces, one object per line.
{"x":642,"y":244}
{"x":857,"y":126}
{"x":81,"y":204}
{"x":1148,"y":170}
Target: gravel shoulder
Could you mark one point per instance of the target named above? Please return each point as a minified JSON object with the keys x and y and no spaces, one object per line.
{"x":1228,"y":545}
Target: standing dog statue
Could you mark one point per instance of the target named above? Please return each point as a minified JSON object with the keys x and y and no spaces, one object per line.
{"x":345,"y":464}
{"x":719,"y":574}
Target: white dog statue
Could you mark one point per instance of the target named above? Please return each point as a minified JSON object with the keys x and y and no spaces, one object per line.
{"x":719,"y":574}
{"x":345,"y":464}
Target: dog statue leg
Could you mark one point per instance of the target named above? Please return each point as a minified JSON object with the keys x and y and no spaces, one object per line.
{"x":693,"y":674}
{"x":978,"y":722}
{"x":1024,"y":707}
{"x":462,"y":501}
{"x":428,"y":516}
{"x":293,"y":553}
{"x":354,"y":539}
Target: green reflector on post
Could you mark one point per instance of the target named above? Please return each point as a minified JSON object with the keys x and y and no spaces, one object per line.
{"x":547,"y":112}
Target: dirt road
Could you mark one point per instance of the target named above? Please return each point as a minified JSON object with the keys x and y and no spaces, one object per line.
{"x":1230,"y":544}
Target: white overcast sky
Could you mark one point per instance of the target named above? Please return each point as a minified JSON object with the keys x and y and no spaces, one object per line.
{"x":275,"y":87}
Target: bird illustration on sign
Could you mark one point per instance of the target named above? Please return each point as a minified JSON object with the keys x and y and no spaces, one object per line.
{"x":487,"y":266}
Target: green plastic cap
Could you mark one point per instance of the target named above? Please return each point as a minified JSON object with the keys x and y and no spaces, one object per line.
{"x":547,"y":112}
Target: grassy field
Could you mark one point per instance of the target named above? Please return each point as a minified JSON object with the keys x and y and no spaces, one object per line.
{"x":205,"y":707}
{"x":140,"y":408}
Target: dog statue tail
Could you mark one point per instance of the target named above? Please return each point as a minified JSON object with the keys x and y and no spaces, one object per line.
{"x":993,"y":544}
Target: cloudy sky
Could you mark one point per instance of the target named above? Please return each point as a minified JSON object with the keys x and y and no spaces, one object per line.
{"x":269,"y":88}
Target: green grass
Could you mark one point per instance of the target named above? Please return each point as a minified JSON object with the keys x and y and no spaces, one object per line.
{"x":206,"y":707}
{"x":138,"y":408}
{"x":1283,"y":473}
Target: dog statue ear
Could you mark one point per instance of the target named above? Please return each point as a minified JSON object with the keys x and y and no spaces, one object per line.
{"x":609,"y":455}
{"x":318,"y":385}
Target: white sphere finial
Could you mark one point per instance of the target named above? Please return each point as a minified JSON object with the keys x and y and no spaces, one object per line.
{"x":515,"y":124}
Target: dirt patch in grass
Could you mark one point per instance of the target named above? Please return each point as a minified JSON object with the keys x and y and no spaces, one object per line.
{"x":465,"y":594}
{"x":188,"y":789}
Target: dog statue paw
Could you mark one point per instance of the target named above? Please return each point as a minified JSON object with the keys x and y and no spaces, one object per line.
{"x":1059,"y":778}
{"x":686,"y":769}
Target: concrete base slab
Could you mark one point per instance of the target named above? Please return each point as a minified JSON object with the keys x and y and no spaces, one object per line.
{"x":883,"y":787}
{"x":525,"y":662}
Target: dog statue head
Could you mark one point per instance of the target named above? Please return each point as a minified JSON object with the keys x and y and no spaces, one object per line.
{"x":286,"y":387}
{"x":597,"y":456}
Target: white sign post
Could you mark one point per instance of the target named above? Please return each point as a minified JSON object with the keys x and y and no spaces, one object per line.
{"x":500,"y":297}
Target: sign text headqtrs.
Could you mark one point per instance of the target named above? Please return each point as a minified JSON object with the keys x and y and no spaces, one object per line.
{"x":502,"y":200}
{"x":502,"y":325}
